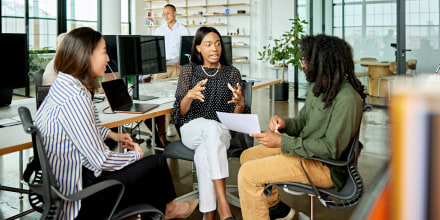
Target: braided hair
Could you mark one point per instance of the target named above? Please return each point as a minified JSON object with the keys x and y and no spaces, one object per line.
{"x":329,"y":61}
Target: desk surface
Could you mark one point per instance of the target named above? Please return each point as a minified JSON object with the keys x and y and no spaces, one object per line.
{"x":13,"y":138}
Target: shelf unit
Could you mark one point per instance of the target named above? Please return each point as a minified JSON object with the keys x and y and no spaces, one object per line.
{"x":196,"y":13}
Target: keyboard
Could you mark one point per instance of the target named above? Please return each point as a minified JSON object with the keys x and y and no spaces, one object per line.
{"x":161,"y":101}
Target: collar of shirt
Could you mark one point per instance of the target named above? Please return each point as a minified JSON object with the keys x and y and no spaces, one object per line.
{"x":70,"y":86}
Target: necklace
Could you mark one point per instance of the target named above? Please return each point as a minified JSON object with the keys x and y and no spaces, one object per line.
{"x":212,"y":74}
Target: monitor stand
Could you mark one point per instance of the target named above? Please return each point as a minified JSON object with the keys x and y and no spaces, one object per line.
{"x":5,"y":97}
{"x":136,"y":95}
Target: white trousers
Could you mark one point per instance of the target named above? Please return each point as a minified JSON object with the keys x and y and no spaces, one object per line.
{"x":210,"y":140}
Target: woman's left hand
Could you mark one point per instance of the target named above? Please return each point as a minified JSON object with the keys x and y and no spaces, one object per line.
{"x":237,"y":96}
{"x":124,"y":137}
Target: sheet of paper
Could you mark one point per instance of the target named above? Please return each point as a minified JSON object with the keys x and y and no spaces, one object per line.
{"x":244,"y":123}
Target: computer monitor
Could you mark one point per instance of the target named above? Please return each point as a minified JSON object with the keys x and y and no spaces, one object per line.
{"x":140,"y":55}
{"x":14,"y":65}
{"x":186,"y":44}
{"x":112,"y":51}
{"x":152,"y":52}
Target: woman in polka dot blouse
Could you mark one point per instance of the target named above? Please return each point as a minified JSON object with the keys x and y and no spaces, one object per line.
{"x":206,"y":85}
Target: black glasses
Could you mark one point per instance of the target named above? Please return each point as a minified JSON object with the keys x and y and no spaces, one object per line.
{"x":303,"y":60}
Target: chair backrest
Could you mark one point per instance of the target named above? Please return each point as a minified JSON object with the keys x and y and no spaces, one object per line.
{"x":369,"y":59}
{"x":412,"y":64}
{"x":44,"y":179}
{"x":41,"y":93}
{"x":393,"y":67}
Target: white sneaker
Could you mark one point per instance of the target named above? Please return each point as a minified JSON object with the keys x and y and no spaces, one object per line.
{"x":288,"y":216}
{"x":171,"y":130}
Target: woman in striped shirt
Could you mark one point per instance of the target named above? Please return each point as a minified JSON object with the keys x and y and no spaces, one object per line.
{"x":74,"y":139}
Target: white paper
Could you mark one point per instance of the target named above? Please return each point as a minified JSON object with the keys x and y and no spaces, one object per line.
{"x":244,"y":123}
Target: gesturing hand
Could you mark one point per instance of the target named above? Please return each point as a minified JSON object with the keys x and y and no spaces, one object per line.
{"x":237,"y":96}
{"x":196,"y":92}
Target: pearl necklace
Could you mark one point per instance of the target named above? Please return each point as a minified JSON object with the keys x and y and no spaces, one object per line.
{"x":212,"y":74}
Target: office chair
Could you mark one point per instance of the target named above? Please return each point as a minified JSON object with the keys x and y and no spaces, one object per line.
{"x":412,"y":65}
{"x":351,"y":192}
{"x":239,"y":142}
{"x":45,"y":196}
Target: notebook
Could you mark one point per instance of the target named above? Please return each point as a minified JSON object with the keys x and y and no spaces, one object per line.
{"x":119,"y":99}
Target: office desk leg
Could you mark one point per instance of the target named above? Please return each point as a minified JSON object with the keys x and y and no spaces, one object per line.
{"x":20,"y":168}
{"x":120,"y":150}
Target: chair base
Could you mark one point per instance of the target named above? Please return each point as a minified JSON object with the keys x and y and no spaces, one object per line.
{"x":189,"y":196}
{"x":302,"y":216}
{"x":232,"y":199}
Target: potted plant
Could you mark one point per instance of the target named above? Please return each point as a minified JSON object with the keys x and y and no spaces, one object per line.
{"x":283,"y":52}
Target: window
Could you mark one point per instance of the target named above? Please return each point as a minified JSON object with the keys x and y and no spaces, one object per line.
{"x":82,"y":13}
{"x":125,"y":27}
{"x":370,"y":27}
{"x":13,"y":16}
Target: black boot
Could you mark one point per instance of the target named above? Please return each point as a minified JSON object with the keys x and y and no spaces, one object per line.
{"x":280,"y":210}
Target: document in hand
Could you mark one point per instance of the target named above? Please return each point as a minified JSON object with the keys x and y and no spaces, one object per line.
{"x":244,"y":123}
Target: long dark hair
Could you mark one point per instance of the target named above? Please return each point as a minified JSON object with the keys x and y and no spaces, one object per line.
{"x":196,"y":57}
{"x":329,"y":62}
{"x":73,"y":55}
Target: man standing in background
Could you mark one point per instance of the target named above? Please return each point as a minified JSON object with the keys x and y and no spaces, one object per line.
{"x":172,"y":30}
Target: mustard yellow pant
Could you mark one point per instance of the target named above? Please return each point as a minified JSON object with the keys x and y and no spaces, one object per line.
{"x":261,"y":165}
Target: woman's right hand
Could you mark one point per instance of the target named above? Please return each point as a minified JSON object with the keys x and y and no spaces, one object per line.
{"x":196,"y":92}
{"x":133,"y":146}
{"x":276,"y":123}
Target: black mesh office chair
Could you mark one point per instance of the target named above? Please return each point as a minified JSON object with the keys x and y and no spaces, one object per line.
{"x":351,"y":192}
{"x":239,"y":142}
{"x":45,"y":196}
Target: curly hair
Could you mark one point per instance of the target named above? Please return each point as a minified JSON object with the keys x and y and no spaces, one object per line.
{"x":329,"y":62}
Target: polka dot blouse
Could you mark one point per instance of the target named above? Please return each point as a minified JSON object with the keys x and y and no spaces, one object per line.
{"x":217,"y":93}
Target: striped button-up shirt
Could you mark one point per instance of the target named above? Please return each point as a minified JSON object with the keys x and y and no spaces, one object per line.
{"x":73,"y":138}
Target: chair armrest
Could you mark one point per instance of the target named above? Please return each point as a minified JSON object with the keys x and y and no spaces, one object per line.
{"x":338,"y":163}
{"x":89,"y":190}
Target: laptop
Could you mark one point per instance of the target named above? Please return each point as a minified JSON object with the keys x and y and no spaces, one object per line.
{"x":119,"y":99}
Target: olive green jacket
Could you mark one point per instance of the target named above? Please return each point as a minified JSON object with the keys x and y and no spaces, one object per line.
{"x":324,"y":133}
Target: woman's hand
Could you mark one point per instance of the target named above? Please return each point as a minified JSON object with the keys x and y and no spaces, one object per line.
{"x":276,"y":123}
{"x":268,"y":139}
{"x":237,"y":96}
{"x":196,"y":92}
{"x":124,"y":137}
{"x":133,"y":146}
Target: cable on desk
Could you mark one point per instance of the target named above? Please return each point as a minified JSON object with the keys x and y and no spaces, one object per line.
{"x":103,"y":111}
